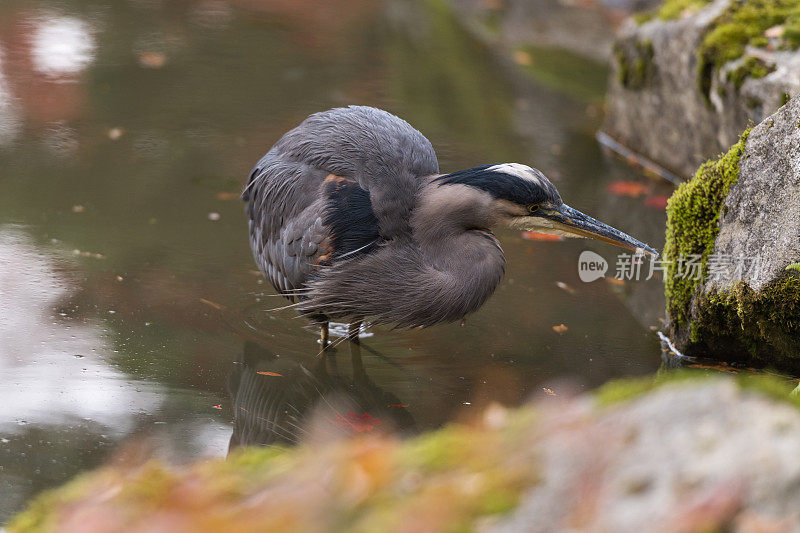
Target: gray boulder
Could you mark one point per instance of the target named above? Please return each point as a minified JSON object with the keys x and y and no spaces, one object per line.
{"x":663,"y":106}
{"x":682,"y":458}
{"x":586,"y":29}
{"x":741,"y":215}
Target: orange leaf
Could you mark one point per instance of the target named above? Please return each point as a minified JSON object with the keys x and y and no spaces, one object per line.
{"x":634,"y":189}
{"x":549,"y":392}
{"x":537,"y":236}
{"x":657,"y":202}
{"x":218,"y":406}
{"x":152,"y":59}
{"x":561,"y":328}
{"x":523,"y":58}
{"x":564,"y":287}
{"x":265,"y":373}
{"x":215,"y":305}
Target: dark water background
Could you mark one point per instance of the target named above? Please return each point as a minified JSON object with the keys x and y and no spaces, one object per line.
{"x":129,"y":305}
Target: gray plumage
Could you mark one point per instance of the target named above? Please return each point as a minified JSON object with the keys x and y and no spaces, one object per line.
{"x":350,"y":217}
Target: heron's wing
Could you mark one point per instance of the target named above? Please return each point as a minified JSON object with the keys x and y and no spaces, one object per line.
{"x":286,"y":209}
{"x":383,"y":153}
{"x":302,"y":219}
{"x":333,"y":188}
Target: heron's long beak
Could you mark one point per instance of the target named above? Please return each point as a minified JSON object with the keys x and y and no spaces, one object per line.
{"x":571,"y":222}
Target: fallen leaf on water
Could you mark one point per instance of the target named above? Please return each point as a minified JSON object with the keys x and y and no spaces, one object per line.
{"x":549,"y":392}
{"x":78,"y":209}
{"x":119,"y":278}
{"x":634,"y":189}
{"x":396,"y":405}
{"x":215,"y":305}
{"x":152,"y":59}
{"x":224,"y":195}
{"x":537,"y":236}
{"x":522,"y":58}
{"x":656,"y":202}
{"x":214,"y":216}
{"x":266,"y":373}
{"x":564,"y":287}
{"x":115,"y":133}
{"x":218,"y":406}
{"x":561,"y":328}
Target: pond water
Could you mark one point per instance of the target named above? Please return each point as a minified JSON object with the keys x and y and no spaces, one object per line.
{"x":130,"y":309}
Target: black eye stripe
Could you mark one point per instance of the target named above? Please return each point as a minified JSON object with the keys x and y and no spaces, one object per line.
{"x":504,"y":186}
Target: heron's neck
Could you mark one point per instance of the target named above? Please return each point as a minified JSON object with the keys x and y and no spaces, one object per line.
{"x":451,"y":227}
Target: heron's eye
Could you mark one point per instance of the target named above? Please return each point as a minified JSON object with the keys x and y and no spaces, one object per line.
{"x":533,"y":208}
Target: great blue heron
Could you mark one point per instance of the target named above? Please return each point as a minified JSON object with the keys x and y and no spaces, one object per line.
{"x":351,"y":219}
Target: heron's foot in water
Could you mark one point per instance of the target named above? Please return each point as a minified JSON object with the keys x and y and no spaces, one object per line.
{"x":341,"y":330}
{"x":323,"y":335}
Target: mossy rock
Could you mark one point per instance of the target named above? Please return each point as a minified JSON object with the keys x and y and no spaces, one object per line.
{"x":634,"y":62}
{"x":741,"y":207}
{"x":507,"y":470}
{"x":445,"y":481}
{"x":744,"y":24}
{"x":693,"y":225}
{"x":690,"y":76}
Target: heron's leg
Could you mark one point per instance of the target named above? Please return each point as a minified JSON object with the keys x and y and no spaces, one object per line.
{"x":355,"y":347}
{"x":323,"y":335}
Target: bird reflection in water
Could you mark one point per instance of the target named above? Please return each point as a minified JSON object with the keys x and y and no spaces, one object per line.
{"x":279,"y":400}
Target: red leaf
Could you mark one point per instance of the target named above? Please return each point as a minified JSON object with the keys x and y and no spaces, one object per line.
{"x":218,"y":406}
{"x":634,"y":189}
{"x":536,"y":236}
{"x":657,"y":202}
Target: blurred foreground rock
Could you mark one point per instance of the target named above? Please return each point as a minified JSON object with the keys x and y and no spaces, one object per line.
{"x":690,"y":455}
{"x":739,"y":218}
{"x":685,"y":83}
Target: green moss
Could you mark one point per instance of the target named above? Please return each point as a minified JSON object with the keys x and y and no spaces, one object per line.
{"x":634,"y":63}
{"x":645,"y":16}
{"x":752,"y":67}
{"x":693,"y":224}
{"x":771,"y":386}
{"x":438,"y":451}
{"x":672,"y":9}
{"x":765,"y":324}
{"x":455,"y":475}
{"x":743,"y":23}
{"x":794,"y":266}
{"x":623,"y":390}
{"x":39,"y":516}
